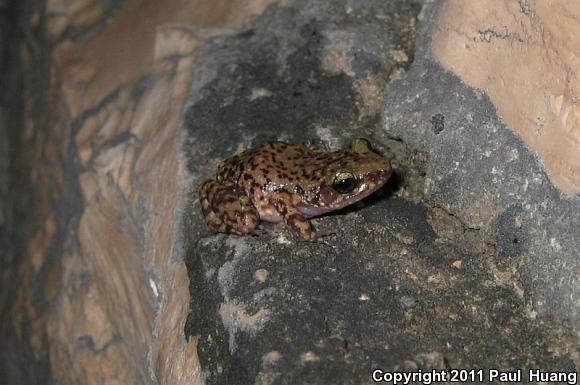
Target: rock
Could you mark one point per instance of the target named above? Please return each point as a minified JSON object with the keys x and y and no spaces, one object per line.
{"x":93,"y":287}
{"x":483,"y":174}
{"x":392,"y":294}
{"x":467,"y":258}
{"x":537,"y":100}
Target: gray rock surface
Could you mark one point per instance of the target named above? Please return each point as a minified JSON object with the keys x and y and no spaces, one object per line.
{"x":466,"y":259}
{"x":482,"y":173}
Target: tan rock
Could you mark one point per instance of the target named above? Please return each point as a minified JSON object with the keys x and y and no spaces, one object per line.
{"x":523,"y":54}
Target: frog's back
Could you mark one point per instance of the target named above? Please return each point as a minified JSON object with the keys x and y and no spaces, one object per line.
{"x":231,"y":169}
{"x":277,"y":162}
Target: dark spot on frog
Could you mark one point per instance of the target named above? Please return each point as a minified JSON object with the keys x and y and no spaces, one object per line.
{"x":438,"y":123}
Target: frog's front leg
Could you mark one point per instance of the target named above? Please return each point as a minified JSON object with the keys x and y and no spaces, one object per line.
{"x":291,"y":215}
{"x":226,"y":209}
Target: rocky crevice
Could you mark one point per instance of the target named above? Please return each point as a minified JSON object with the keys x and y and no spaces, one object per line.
{"x":414,"y":282}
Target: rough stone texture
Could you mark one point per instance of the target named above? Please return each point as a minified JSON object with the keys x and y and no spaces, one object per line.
{"x":516,"y":49}
{"x":93,"y":288}
{"x":468,"y":258}
{"x":481,"y":172}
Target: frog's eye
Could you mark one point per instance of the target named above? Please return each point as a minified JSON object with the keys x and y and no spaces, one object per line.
{"x":344,"y":182}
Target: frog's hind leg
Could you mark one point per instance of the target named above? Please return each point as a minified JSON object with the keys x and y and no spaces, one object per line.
{"x":226,"y":209}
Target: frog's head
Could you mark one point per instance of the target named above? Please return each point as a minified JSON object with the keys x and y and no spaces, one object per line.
{"x":350,"y":176}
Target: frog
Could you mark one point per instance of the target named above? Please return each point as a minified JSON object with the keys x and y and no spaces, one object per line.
{"x":285,"y":183}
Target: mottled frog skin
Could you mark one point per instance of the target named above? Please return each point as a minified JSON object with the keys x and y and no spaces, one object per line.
{"x":282,"y":182}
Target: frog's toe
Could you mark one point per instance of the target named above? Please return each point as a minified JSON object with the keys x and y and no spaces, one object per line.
{"x":246,"y":221}
{"x":260,"y":231}
{"x":326,"y":234}
{"x":327,"y":243}
{"x":323,"y":238}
